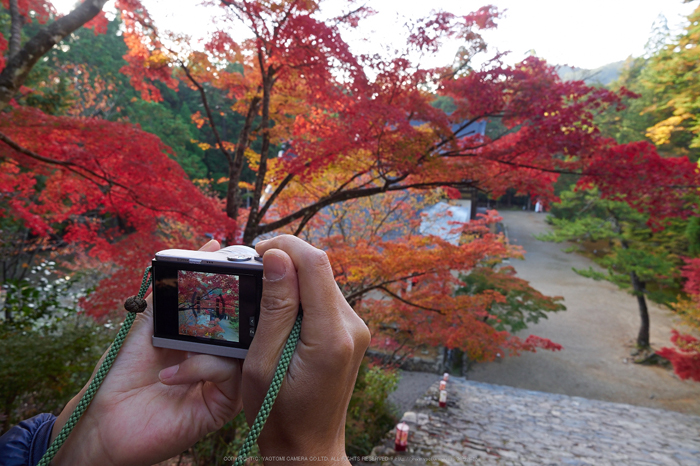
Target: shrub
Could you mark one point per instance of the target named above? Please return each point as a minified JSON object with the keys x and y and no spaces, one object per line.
{"x":370,"y":414}
{"x":47,"y":349}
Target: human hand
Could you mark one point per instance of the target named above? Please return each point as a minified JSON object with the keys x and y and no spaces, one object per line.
{"x":308,"y":418}
{"x":153,"y":404}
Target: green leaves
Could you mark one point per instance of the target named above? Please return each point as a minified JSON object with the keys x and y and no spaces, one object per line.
{"x":35,"y":304}
{"x":631,"y":246}
{"x":520,"y":304}
{"x":370,"y":415}
{"x":47,"y":349}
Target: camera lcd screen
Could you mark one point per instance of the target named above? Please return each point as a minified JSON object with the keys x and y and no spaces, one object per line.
{"x":208,"y":305}
{"x":205,"y":304}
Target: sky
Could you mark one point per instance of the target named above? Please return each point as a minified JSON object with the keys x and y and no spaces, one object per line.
{"x":586,"y":34}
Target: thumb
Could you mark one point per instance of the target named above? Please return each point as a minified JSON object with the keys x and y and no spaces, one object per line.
{"x":201,"y":367}
{"x":221,"y":391}
{"x":279,"y":307}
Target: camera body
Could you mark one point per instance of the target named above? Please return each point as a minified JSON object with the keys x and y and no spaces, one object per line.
{"x":207,"y":302}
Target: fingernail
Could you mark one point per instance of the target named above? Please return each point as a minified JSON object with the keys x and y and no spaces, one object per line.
{"x":168,"y":372}
{"x":274,"y":267}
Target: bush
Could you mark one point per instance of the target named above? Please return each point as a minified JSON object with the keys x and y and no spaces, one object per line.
{"x":370,"y":415}
{"x":47,"y":350}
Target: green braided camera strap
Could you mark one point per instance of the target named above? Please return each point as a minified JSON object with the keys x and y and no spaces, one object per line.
{"x":84,"y":402}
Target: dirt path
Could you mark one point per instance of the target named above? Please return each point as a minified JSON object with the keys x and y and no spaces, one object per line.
{"x":596,"y":330}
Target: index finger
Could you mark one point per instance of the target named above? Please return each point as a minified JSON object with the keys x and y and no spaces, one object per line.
{"x":317,"y":288}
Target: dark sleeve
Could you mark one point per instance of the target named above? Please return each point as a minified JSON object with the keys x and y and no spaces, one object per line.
{"x":26,"y":443}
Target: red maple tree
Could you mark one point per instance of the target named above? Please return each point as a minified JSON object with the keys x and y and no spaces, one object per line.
{"x":358,"y":129}
{"x":685,"y":357}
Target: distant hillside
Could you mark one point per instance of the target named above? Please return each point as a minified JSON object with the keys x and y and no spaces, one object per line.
{"x":603,"y":75}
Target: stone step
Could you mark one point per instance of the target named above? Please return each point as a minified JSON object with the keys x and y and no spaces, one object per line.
{"x":488,"y":424}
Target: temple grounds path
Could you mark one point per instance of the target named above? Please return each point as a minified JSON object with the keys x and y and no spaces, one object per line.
{"x":597,"y":331}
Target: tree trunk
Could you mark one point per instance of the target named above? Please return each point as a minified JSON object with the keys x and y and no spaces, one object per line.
{"x":639,"y":288}
{"x":233,"y":193}
{"x":16,"y":23}
{"x":19,"y":65}
{"x":251,"y":229}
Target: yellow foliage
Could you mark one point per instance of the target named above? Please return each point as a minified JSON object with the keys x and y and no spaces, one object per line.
{"x":660,"y":133}
{"x":157,"y":59}
{"x":253,"y":159}
{"x":689,"y":312}
{"x":197,"y":120}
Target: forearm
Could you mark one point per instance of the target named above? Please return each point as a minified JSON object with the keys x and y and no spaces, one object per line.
{"x":279,"y":446}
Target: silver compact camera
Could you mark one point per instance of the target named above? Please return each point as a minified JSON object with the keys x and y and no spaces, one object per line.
{"x":207,"y":302}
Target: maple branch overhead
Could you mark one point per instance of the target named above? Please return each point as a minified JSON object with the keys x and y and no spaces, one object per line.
{"x":207,"y":109}
{"x":386,"y":216}
{"x":84,"y":172}
{"x":456,"y":154}
{"x":237,"y":10}
{"x":68,"y":165}
{"x":340,"y":19}
{"x":353,"y":178}
{"x":339,"y":197}
{"x":453,"y":135}
{"x":548,"y":170}
{"x":284,"y":19}
{"x":304,"y":221}
{"x":399,"y":298}
{"x":482,"y":145}
{"x":357,"y":294}
{"x":18,"y":66}
{"x":274,"y":195}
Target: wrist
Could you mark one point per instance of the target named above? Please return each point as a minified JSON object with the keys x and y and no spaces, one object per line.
{"x":82,"y":445}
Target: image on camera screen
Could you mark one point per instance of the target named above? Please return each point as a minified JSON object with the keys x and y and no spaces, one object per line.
{"x":208,"y":305}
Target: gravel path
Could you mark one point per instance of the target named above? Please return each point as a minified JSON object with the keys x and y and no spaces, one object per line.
{"x":596,"y":330}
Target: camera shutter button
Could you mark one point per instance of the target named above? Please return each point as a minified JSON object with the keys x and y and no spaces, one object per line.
{"x":237,"y":258}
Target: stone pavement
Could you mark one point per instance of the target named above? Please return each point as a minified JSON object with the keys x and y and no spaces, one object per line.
{"x":487,"y":424}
